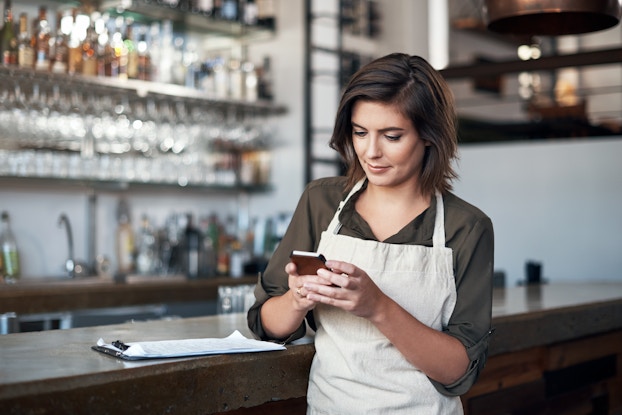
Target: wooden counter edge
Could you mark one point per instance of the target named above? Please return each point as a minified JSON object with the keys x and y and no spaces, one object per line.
{"x":61,"y":297}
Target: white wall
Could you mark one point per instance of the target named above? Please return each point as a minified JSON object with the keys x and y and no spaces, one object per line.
{"x":555,"y":202}
{"x":288,"y":52}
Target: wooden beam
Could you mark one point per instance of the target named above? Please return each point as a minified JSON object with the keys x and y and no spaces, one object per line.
{"x":479,"y":70}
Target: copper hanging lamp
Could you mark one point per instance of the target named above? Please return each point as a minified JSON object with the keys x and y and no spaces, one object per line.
{"x":551,"y":17}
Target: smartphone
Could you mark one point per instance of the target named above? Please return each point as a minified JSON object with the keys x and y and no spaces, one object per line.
{"x":308,"y":263}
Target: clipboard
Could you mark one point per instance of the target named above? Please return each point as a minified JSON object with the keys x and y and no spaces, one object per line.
{"x":163,"y":349}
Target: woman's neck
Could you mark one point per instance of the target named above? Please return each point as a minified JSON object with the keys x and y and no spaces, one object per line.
{"x":388,"y":210}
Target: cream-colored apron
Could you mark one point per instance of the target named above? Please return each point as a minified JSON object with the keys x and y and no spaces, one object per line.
{"x":356,"y":370}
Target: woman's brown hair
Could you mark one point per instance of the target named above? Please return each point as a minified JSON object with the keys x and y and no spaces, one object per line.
{"x":422,"y":95}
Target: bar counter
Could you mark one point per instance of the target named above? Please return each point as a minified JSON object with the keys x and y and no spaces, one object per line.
{"x":545,"y":336}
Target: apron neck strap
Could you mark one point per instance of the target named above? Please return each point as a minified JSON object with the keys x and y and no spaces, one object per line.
{"x":335,"y":225}
{"x":438,"y":239}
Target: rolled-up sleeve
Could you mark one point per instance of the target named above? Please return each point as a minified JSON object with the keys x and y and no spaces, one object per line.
{"x":314,"y":211}
{"x":471,"y":320}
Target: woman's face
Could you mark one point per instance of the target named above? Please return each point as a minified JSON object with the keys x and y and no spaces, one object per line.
{"x":387,"y":144}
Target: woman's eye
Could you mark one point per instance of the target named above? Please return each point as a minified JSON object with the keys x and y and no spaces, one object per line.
{"x":360,"y":133}
{"x":393,"y":137}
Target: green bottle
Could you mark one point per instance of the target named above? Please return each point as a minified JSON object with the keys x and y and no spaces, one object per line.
{"x":10,"y":256}
{"x":8,"y":39}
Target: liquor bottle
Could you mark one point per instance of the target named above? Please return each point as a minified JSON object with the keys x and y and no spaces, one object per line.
{"x":220,"y":78}
{"x":74,"y":43}
{"x":204,"y":7}
{"x":124,"y":239}
{"x":74,"y":47}
{"x":236,"y":79}
{"x":264,"y":85}
{"x":119,"y":63}
{"x":209,"y":230}
{"x":166,"y":53}
{"x":229,"y":10}
{"x":8,"y":40}
{"x":10,"y":255}
{"x":266,"y":12}
{"x":193,"y":242}
{"x":144,"y":58}
{"x":250,"y":81}
{"x":106,"y":62}
{"x":61,"y":47}
{"x":217,"y":8}
{"x":147,"y":251}
{"x":132,"y":51}
{"x":89,"y":50}
{"x":25,"y":48}
{"x":42,"y":41}
{"x":250,"y":13}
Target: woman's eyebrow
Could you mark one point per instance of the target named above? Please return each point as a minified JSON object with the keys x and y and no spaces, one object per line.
{"x":383,"y":130}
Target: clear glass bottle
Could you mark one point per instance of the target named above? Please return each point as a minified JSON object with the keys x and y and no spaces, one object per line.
{"x":10,"y":254}
{"x":25,"y":48}
{"x":89,"y":49}
{"x":132,"y":52}
{"x":119,"y":48}
{"x":42,"y":39}
{"x":144,"y":58}
{"x":147,"y":250}
{"x":250,"y":13}
{"x":76,"y":38}
{"x":61,"y":40}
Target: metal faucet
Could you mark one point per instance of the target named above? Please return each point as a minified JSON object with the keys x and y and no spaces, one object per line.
{"x":70,"y":264}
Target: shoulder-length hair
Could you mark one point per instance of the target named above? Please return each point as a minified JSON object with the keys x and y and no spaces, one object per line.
{"x":422,"y":95}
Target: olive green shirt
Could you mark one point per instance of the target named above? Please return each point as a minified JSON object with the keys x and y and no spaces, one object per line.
{"x":468,"y":232}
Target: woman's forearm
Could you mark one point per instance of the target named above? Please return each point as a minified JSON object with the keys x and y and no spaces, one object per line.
{"x":280,"y":317}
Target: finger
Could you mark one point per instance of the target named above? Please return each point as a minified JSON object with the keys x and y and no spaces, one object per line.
{"x":299,"y":292}
{"x":334,"y":279}
{"x":326,"y":295}
{"x":339,"y":267}
{"x":290,"y":268}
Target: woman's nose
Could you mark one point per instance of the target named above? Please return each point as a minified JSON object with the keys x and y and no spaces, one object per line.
{"x":373,"y":147}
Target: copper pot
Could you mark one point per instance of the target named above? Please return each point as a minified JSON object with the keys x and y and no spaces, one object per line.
{"x":551,"y":17}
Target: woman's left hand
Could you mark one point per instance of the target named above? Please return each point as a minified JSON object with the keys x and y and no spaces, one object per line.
{"x":352,"y":290}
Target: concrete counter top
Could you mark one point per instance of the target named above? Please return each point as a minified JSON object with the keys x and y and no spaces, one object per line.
{"x":538,"y":315}
{"x":57,"y":372}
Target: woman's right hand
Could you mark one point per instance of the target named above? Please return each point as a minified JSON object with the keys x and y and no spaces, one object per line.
{"x":298,"y":292}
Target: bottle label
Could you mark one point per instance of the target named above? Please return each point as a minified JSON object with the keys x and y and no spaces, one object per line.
{"x":26,"y":57}
{"x":11,"y":263}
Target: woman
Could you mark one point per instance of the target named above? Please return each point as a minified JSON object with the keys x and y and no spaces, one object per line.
{"x":402,"y":317}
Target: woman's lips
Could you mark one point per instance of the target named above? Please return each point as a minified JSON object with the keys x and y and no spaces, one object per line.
{"x":376,"y":169}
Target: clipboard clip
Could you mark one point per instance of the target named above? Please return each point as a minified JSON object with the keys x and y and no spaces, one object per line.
{"x":120,"y":345}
